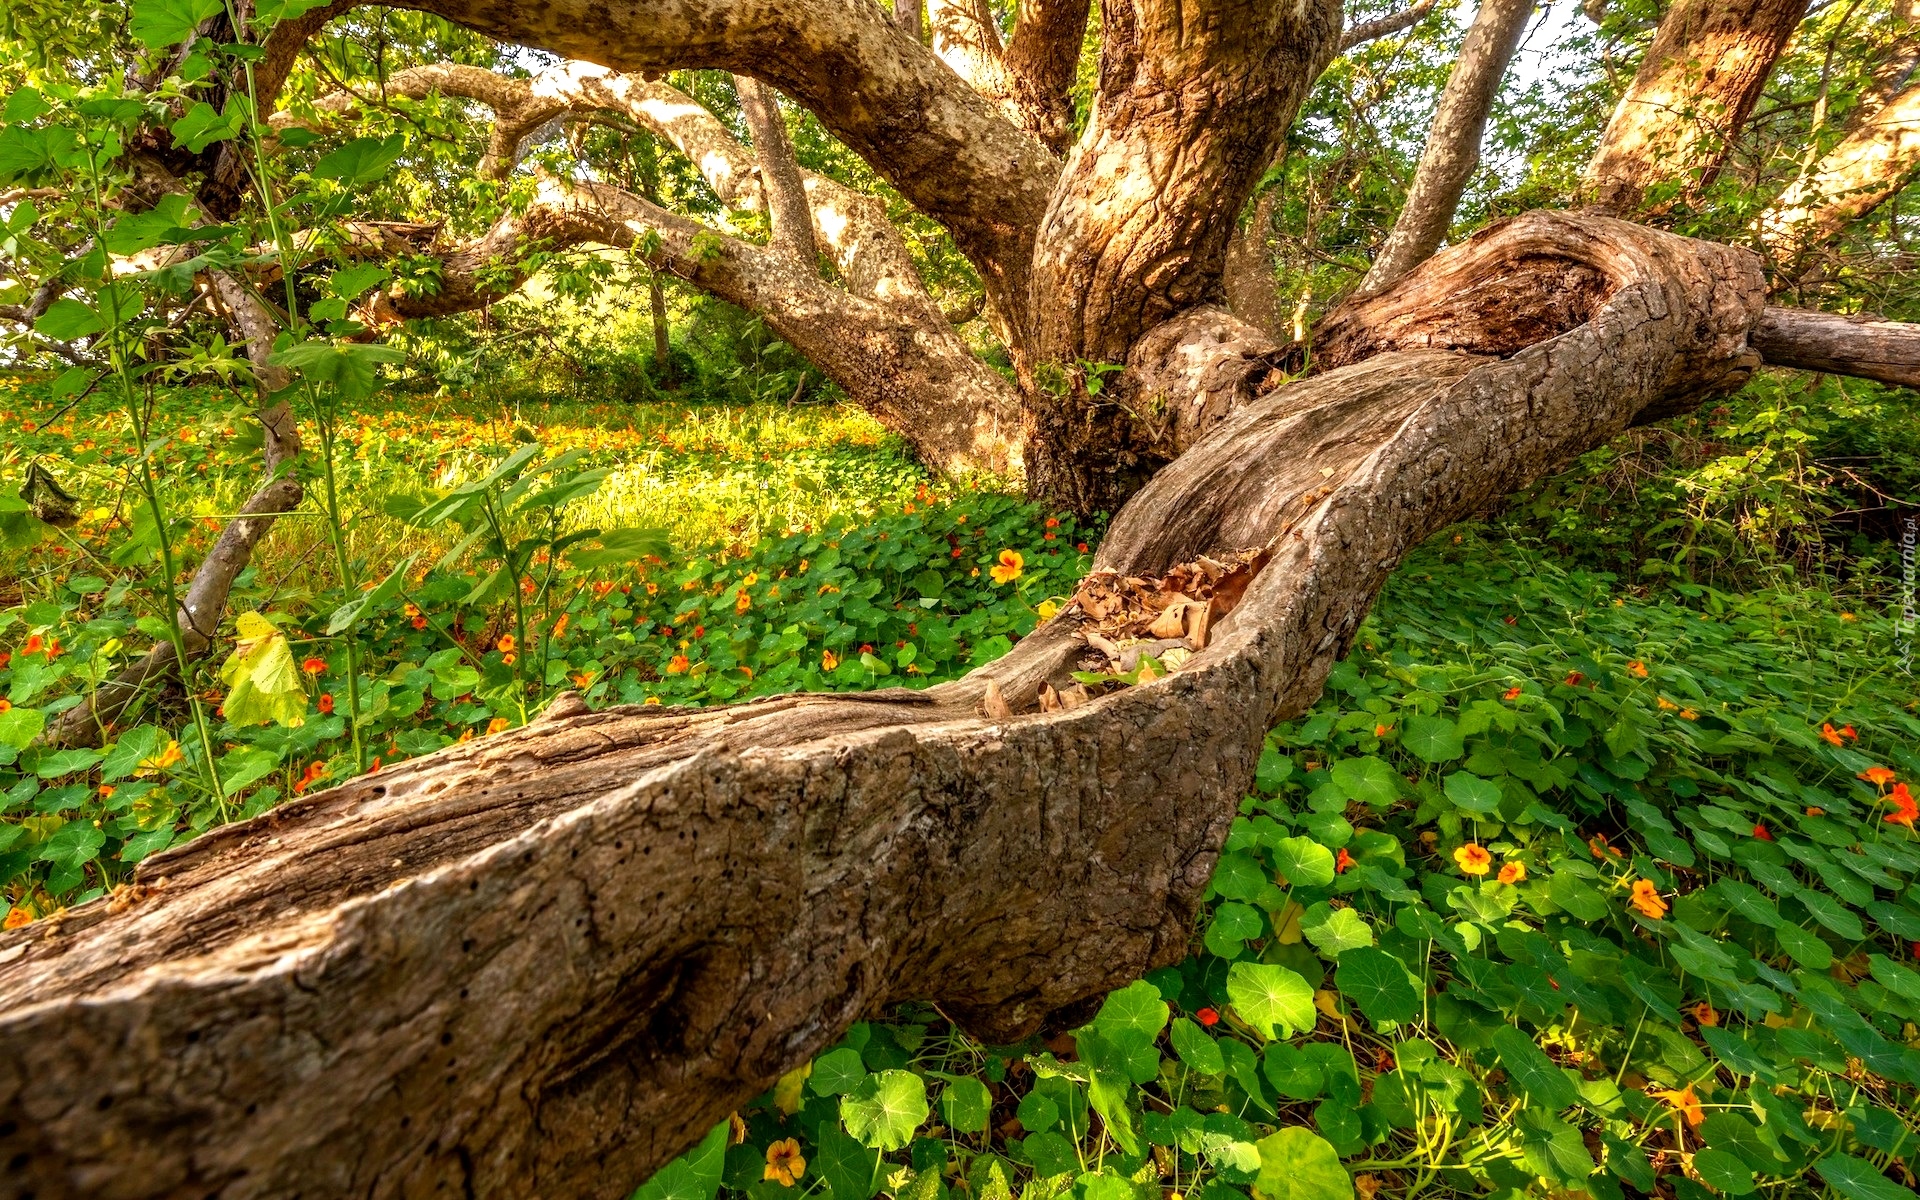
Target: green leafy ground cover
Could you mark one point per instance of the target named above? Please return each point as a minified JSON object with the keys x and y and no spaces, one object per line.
{"x":1564,"y":887}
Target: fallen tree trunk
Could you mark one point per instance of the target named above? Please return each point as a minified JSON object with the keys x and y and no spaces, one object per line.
{"x":1865,"y":346}
{"x":544,"y":963}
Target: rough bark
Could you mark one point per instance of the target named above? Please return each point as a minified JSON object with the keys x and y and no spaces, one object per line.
{"x":1453,"y":144}
{"x":1864,"y":346}
{"x":1190,"y":108}
{"x":544,"y":963}
{"x":1695,"y":88}
{"x":1042,"y":58}
{"x":789,"y":215}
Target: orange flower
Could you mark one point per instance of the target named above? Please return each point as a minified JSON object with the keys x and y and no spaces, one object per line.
{"x":1831,"y":736}
{"x":829,"y":660}
{"x":1472,"y":859}
{"x":326,"y":702}
{"x":506,"y":643}
{"x":34,"y":645}
{"x":1905,"y":809}
{"x":313,"y":666}
{"x":1647,"y":899}
{"x":5,"y":705}
{"x":1512,"y":693}
{"x":1382,"y":730}
{"x":1573,"y":679}
{"x":1342,"y":861}
{"x":1685,"y":1103}
{"x":1598,"y":847}
{"x":313,"y":774}
{"x":678,"y":665}
{"x":1008,"y":568}
{"x":1877,"y":776}
{"x":17,"y":917}
{"x":509,"y":658}
{"x":784,"y":1164}
{"x":560,"y":626}
{"x":742,"y":602}
{"x":583,"y":680}
{"x":1513,"y":872}
{"x":497,"y":725}
{"x":1705,"y":1014}
{"x":1638,"y":669}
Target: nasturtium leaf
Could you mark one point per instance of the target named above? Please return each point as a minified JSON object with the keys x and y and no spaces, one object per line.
{"x":265,"y":684}
{"x":72,"y":846}
{"x":1108,"y":1094}
{"x":1723,"y":1171}
{"x":1432,"y":739}
{"x":1133,"y":1012}
{"x":1303,"y":862}
{"x":1749,"y":901}
{"x":837,"y":1072}
{"x":19,"y":726}
{"x":1270,"y":998}
{"x":965,"y":1104}
{"x":1898,"y":979}
{"x":1371,"y":781}
{"x":1037,"y":1112}
{"x":850,"y":1170}
{"x":361,"y":160}
{"x":1552,"y":1148}
{"x":1050,"y":1154}
{"x":1472,"y":793}
{"x":349,"y":615}
{"x":885,"y":1109}
{"x":1833,"y":915}
{"x":1237,"y":876}
{"x":142,"y":845}
{"x":53,"y":764}
{"x":1233,"y":925}
{"x":1528,"y":1066}
{"x":1196,"y":1047}
{"x":1807,"y":949}
{"x":1298,"y":1164}
{"x":695,"y":1175}
{"x":1857,"y":1179}
{"x":1377,"y":982}
{"x":157,"y":24}
{"x":788,"y":1093}
{"x":1333,"y":931}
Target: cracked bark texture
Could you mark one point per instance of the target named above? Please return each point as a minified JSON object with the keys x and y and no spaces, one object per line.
{"x":544,"y":963}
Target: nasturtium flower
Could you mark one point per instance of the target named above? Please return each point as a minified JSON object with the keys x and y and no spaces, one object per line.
{"x":742,"y":602}
{"x":16,"y":917}
{"x":1647,"y":899}
{"x":1047,"y":610}
{"x":785,"y":1166}
{"x":1473,"y":859}
{"x":165,"y":760}
{"x":1512,"y":693}
{"x":1684,"y":1102}
{"x":313,"y":666}
{"x":497,"y":725}
{"x":1009,"y":567}
{"x":1877,"y":776}
{"x":1638,"y":669}
{"x":506,"y":643}
{"x":678,"y":665}
{"x":1207,"y":1017}
{"x":1760,"y":831}
{"x":829,"y":660}
{"x":1513,"y":872}
{"x":1831,"y":736}
{"x":1906,"y":810}
{"x":1342,"y":861}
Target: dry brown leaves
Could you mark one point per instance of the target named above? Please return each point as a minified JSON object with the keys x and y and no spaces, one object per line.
{"x":1128,"y":618}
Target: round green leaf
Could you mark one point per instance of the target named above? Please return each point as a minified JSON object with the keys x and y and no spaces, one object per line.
{"x":73,"y":846}
{"x":965,"y":1104}
{"x":1858,"y":1179}
{"x":1432,"y":739}
{"x":1196,"y":1047}
{"x":1298,"y":1164}
{"x":837,"y":1072}
{"x":1724,"y":1172}
{"x":1269,"y":997}
{"x":1529,"y":1068}
{"x":1303,"y":862}
{"x":1807,"y":949}
{"x":1134,"y":1013}
{"x":1369,"y":780}
{"x":1473,"y":793}
{"x":1335,"y":931}
{"x":885,"y":1109}
{"x":1375,"y":980}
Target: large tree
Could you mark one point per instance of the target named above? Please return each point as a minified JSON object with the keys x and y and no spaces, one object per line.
{"x":543,"y":964}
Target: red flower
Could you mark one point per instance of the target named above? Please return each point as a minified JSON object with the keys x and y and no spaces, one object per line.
{"x":1760,"y":831}
{"x":1053,"y":522}
{"x":326,"y":702}
{"x":1342,"y":861}
{"x":1512,"y":693}
{"x":1207,"y":1017}
{"x":313,"y":666}
{"x":866,"y":647}
{"x":1573,"y":678}
{"x":1081,"y":547}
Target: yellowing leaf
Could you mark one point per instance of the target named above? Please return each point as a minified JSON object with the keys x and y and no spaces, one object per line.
{"x":787,"y":1093}
{"x":263,"y":679}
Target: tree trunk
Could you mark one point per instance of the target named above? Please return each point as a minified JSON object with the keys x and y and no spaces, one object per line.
{"x":1871,"y":164}
{"x":1863,"y":346}
{"x":789,"y":216}
{"x":1696,"y":87}
{"x":662,"y":349}
{"x":544,"y":963}
{"x":1453,"y":145}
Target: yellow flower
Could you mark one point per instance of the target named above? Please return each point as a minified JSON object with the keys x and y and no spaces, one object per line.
{"x":1513,"y":872}
{"x":651,"y":700}
{"x":742,"y":602}
{"x":497,"y":725}
{"x":167,"y":759}
{"x":784,"y":1164}
{"x":653,"y":589}
{"x":1047,"y":609}
{"x":1647,"y":899}
{"x":1472,"y":859}
{"x":1008,"y":568}
{"x":829,"y":660}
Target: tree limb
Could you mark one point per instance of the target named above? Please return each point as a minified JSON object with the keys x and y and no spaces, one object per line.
{"x":1387,"y":26}
{"x":789,"y":215}
{"x":1864,"y":346}
{"x":1453,"y":144}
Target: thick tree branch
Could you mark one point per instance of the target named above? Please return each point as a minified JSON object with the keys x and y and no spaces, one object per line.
{"x":789,"y":215}
{"x":1041,"y":60}
{"x":1453,"y":144}
{"x":1387,"y":26}
{"x":948,"y":150}
{"x":394,"y":940}
{"x":1695,"y":88}
{"x":1864,"y":346}
{"x":1869,"y":166}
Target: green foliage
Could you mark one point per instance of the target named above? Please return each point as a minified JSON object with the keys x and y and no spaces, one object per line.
{"x":1370,"y":1005}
